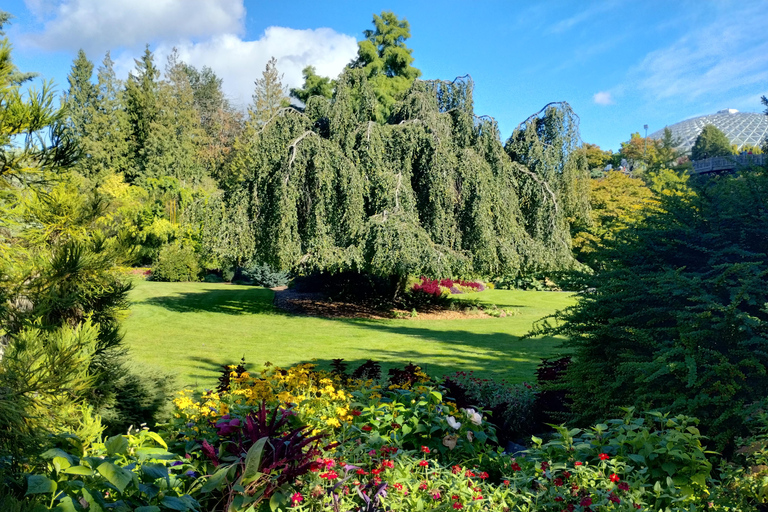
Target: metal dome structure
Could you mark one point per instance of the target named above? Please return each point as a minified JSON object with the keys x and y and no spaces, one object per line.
{"x":741,"y":128}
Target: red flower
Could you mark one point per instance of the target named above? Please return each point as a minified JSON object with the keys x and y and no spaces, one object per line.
{"x":478,"y":497}
{"x":375,"y":471}
{"x":296,"y":498}
{"x":586,"y":502}
{"x":615,"y":478}
{"x":559,"y":498}
{"x":566,"y":474}
{"x":387,"y":464}
{"x":577,"y":463}
{"x":376,"y":480}
{"x":456,"y":470}
{"x":637,"y":506}
{"x":604,"y":456}
{"x":457,"y":505}
{"x":506,"y":482}
{"x":455,"y":497}
{"x":623,"y":486}
{"x":361,"y":472}
{"x":330,"y":475}
{"x":483,"y":475}
{"x":423,"y":486}
{"x":516,"y":467}
{"x":424,"y":449}
{"x":469,"y":474}
{"x":544,"y":466}
{"x":558,"y":482}
{"x":367,"y":428}
{"x":613,"y":498}
{"x":423,"y":463}
{"x":355,"y":412}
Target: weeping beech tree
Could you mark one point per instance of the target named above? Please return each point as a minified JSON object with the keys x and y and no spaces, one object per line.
{"x":430,"y":192}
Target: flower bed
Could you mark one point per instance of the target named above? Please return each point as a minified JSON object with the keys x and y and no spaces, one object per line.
{"x":305,"y":440}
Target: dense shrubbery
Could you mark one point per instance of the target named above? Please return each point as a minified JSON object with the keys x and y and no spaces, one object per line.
{"x":264,"y":275}
{"x":298,"y":439}
{"x":176,"y":262}
{"x":677,"y":318}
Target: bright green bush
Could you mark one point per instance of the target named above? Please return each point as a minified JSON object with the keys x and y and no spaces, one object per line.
{"x":176,"y":262}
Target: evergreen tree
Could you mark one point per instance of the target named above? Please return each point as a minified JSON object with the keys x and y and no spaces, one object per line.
{"x":314,"y":85}
{"x":269,"y":95}
{"x":81,"y":99}
{"x":173,"y":144}
{"x":386,"y":61}
{"x":141,"y":105}
{"x":431,"y":192}
{"x":711,"y":142}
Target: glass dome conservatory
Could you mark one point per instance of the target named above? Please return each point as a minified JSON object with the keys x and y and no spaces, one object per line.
{"x":741,"y":128}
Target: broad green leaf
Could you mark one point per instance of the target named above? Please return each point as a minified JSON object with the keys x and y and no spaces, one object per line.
{"x":149,"y":508}
{"x":65,"y":505}
{"x":253,"y":461}
{"x":93,"y":505}
{"x":151,"y":452}
{"x":56,"y":452}
{"x":669,"y":467}
{"x":438,"y":396}
{"x":277,"y":500}
{"x":40,"y":484}
{"x":215,"y":479}
{"x":154,"y":471}
{"x":116,"y":445}
{"x":174,"y":503}
{"x":118,"y":477}
{"x":60,"y":463}
{"x":78,"y":470}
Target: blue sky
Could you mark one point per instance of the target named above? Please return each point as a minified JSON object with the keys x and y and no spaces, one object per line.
{"x":620,"y":64}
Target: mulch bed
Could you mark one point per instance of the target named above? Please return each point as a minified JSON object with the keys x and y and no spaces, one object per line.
{"x":317,"y":304}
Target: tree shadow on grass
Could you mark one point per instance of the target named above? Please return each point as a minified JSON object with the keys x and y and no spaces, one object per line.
{"x":229,"y":301}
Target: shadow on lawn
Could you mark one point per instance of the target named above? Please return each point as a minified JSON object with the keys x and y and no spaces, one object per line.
{"x":231,"y":302}
{"x":498,"y":353}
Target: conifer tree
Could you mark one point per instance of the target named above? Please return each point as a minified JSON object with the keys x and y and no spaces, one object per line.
{"x":314,"y":85}
{"x":141,"y":105}
{"x":269,"y":95}
{"x":711,"y":142}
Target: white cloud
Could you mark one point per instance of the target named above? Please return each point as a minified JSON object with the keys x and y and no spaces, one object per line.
{"x":603,"y":98}
{"x":239,"y":63}
{"x":206,"y":33}
{"x":99,"y":25}
{"x":715,"y":58}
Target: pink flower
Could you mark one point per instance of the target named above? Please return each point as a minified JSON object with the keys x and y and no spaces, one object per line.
{"x":296,"y":498}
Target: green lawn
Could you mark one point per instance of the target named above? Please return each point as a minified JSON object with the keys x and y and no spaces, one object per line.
{"x":191,"y":329}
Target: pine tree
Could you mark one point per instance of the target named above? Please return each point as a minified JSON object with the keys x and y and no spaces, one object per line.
{"x":269,"y":95}
{"x":81,"y":98}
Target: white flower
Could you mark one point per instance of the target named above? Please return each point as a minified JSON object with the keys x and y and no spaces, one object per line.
{"x":474,"y":416}
{"x":453,"y":423}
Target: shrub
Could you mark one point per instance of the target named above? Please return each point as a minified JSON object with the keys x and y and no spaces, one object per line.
{"x":264,"y":275}
{"x":176,"y":262}
{"x":511,"y":406}
{"x":677,"y":321}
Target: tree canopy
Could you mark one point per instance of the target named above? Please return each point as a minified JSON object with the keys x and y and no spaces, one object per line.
{"x":711,"y":142}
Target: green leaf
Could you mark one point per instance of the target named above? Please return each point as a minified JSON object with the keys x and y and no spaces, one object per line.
{"x":437,"y":395}
{"x":78,"y":470}
{"x":277,"y":500}
{"x":637,"y":458}
{"x":148,"y":508}
{"x":215,"y":480}
{"x":65,"y":505}
{"x":150,"y":452}
{"x":118,"y":477}
{"x":157,"y":439}
{"x":56,"y":452}
{"x":93,"y":505}
{"x":174,"y":503}
{"x":253,"y":461}
{"x":60,"y":463}
{"x":669,"y":467}
{"x":155,"y":471}
{"x":116,"y":445}
{"x":40,"y":484}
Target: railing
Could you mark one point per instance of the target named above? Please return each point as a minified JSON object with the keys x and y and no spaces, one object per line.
{"x":727,"y":163}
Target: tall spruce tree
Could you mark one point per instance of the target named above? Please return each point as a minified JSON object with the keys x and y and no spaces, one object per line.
{"x":141,"y":106}
{"x":109,"y":136}
{"x":81,"y":98}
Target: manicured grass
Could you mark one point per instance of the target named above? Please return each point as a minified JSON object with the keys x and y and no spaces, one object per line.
{"x":191,"y":329}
